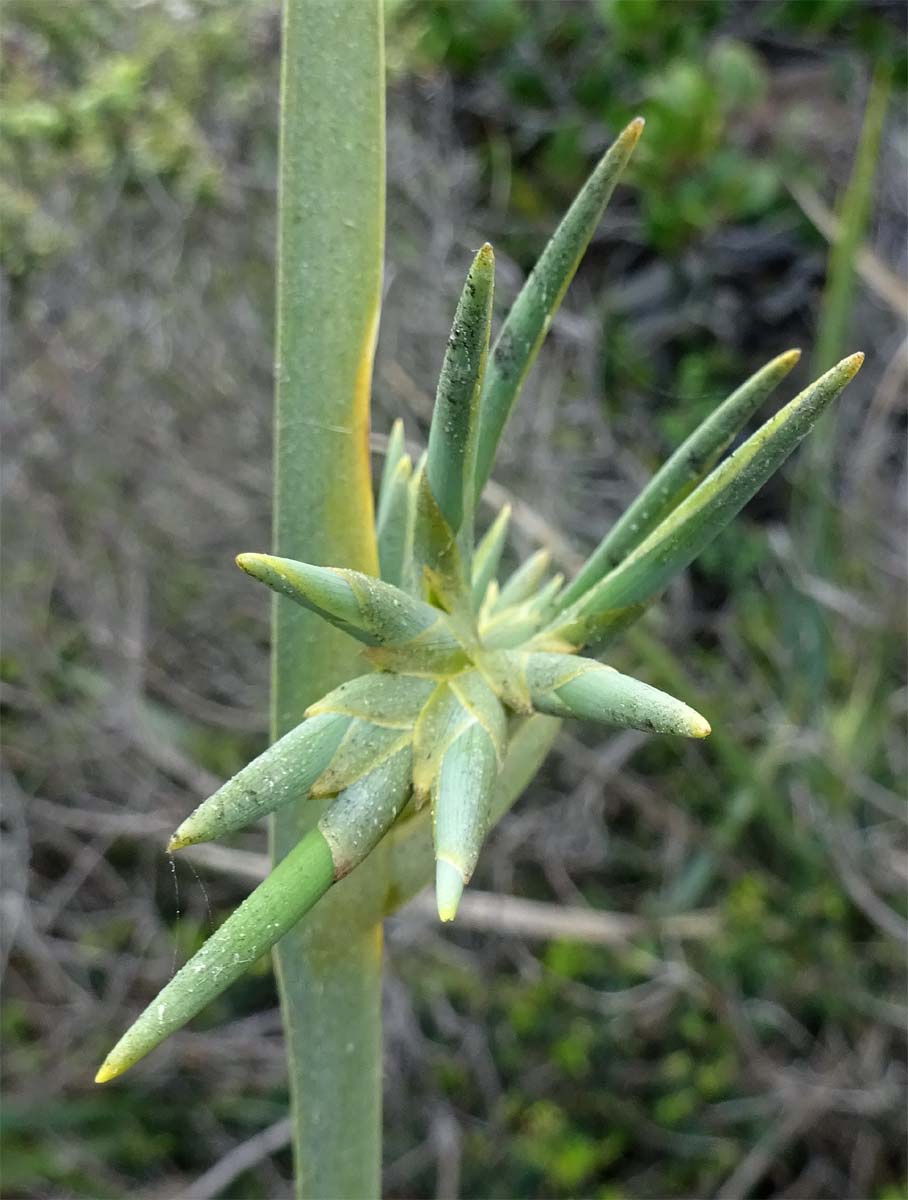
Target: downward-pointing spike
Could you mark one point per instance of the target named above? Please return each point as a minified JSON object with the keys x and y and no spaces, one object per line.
{"x":449,"y":885}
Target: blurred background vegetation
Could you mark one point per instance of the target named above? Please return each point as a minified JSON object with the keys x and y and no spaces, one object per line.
{"x":738,"y":1030}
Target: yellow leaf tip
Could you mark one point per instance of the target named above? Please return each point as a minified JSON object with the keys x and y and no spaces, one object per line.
{"x":700,"y":727}
{"x":177,"y":842}
{"x":632,"y":132}
{"x":449,"y":885}
{"x":791,"y":356}
{"x":107,"y":1072}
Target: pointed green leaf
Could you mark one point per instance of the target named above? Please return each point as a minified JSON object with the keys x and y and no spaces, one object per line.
{"x":525,"y":580}
{"x":462,"y":802}
{"x":275,"y":906}
{"x":364,"y":748}
{"x":440,"y":721}
{"x":359,"y":818}
{"x":394,"y":453}
{"x":451,"y":456}
{"x":528,"y":322}
{"x":680,"y":474}
{"x":372,"y":611}
{"x":345,"y":835}
{"x":565,"y":686}
{"x":285,"y":771}
{"x":391,"y":523}
{"x":391,"y":700}
{"x":455,"y":705}
{"x":511,"y":627}
{"x":437,"y":556}
{"x":678,"y":540}
{"x":544,"y":600}
{"x":488,"y":555}
{"x":410,"y":842}
{"x":574,"y":629}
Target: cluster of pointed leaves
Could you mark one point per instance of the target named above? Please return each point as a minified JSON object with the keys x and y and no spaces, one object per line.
{"x":451,"y":656}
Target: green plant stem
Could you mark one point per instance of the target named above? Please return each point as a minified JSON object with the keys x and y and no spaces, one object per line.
{"x":331,"y":224}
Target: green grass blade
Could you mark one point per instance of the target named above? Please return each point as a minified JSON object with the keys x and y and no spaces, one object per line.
{"x":707,"y":510}
{"x":853,"y":211}
{"x":451,"y":455}
{"x":832,"y":331}
{"x":528,"y":322}
{"x":677,"y":478}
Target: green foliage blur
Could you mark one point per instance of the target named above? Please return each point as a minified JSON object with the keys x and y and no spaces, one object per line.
{"x":137,"y":169}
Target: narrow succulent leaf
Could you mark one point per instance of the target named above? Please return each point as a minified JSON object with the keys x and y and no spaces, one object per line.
{"x":438,"y":557}
{"x":451,"y":456}
{"x":691,"y":526}
{"x":364,"y":748}
{"x":544,"y":600}
{"x":391,"y":523}
{"x":455,"y":705}
{"x":285,"y":771}
{"x":463,"y":801}
{"x":680,"y":474}
{"x":488,"y":555}
{"x":394,"y":453}
{"x":412,"y":580}
{"x":525,"y":580}
{"x":385,"y":699}
{"x":372,"y":611}
{"x":573,"y":630}
{"x":440,"y":721}
{"x":565,"y":686}
{"x":434,"y":652}
{"x":504,"y":671}
{"x":410,"y":843}
{"x":528,"y":322}
{"x":275,"y":906}
{"x":449,"y":885}
{"x":511,"y":627}
{"x":488,"y":604}
{"x":482,"y":706}
{"x":345,"y":835}
{"x":362,"y":814}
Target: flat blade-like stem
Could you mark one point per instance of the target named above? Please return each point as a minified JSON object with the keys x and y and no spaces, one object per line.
{"x":331,"y":207}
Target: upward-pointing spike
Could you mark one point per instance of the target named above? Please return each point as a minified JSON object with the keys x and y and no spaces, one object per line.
{"x":451,"y":455}
{"x":488,"y":555}
{"x":680,"y":474}
{"x":528,"y":322}
{"x":691,"y":526}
